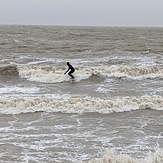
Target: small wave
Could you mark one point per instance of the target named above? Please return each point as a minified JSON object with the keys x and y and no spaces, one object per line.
{"x":9,"y":70}
{"x":50,"y":74}
{"x":75,"y":104}
{"x":137,"y":72}
{"x":112,"y":157}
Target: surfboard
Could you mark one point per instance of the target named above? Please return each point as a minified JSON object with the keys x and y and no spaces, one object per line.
{"x":72,"y":80}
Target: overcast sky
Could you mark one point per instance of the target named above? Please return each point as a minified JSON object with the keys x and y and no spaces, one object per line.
{"x":82,"y":12}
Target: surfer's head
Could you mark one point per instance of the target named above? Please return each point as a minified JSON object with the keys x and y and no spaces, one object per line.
{"x":68,"y":63}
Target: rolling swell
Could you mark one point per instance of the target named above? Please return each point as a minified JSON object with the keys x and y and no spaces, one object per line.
{"x":77,"y":104}
{"x":9,"y":70}
{"x":51,"y":74}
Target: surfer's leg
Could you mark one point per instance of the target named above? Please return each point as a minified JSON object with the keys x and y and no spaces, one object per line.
{"x":70,"y":74}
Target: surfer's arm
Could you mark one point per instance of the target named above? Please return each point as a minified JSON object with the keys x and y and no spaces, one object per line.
{"x":67,"y":71}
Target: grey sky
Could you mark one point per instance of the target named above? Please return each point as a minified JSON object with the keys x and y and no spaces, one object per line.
{"x":82,"y":12}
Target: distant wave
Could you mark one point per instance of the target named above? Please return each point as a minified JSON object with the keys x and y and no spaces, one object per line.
{"x":76,"y":104}
{"x":112,"y":157}
{"x":50,"y":74}
{"x":9,"y":70}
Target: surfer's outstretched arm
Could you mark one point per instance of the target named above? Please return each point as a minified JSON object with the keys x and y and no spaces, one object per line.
{"x":67,"y":70}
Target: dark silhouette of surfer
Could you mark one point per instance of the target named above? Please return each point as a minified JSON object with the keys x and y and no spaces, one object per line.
{"x":71,"y":68}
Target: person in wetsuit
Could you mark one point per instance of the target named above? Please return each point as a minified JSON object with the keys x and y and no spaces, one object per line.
{"x":71,"y":68}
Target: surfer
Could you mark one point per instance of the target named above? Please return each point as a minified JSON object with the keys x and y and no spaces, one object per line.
{"x":71,"y":68}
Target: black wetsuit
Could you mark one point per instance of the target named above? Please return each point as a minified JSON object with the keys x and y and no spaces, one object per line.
{"x":71,"y":68}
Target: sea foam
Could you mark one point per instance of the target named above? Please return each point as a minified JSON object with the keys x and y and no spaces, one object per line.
{"x":76,"y":104}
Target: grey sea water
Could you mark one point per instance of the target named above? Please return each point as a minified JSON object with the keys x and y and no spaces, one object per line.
{"x":112,"y":112}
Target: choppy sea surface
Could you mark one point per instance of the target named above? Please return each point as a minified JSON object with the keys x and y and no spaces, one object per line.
{"x":111,"y":113}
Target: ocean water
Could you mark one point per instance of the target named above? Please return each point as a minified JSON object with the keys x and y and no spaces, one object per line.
{"x":111,"y":113}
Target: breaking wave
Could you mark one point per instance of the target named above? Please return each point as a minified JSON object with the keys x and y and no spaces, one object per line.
{"x":74,"y":104}
{"x":50,"y":74}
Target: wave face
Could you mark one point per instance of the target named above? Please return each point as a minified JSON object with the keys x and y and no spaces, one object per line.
{"x":16,"y":105}
{"x":50,"y":74}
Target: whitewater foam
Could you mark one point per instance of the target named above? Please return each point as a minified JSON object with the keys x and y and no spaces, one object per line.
{"x":74,"y":104}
